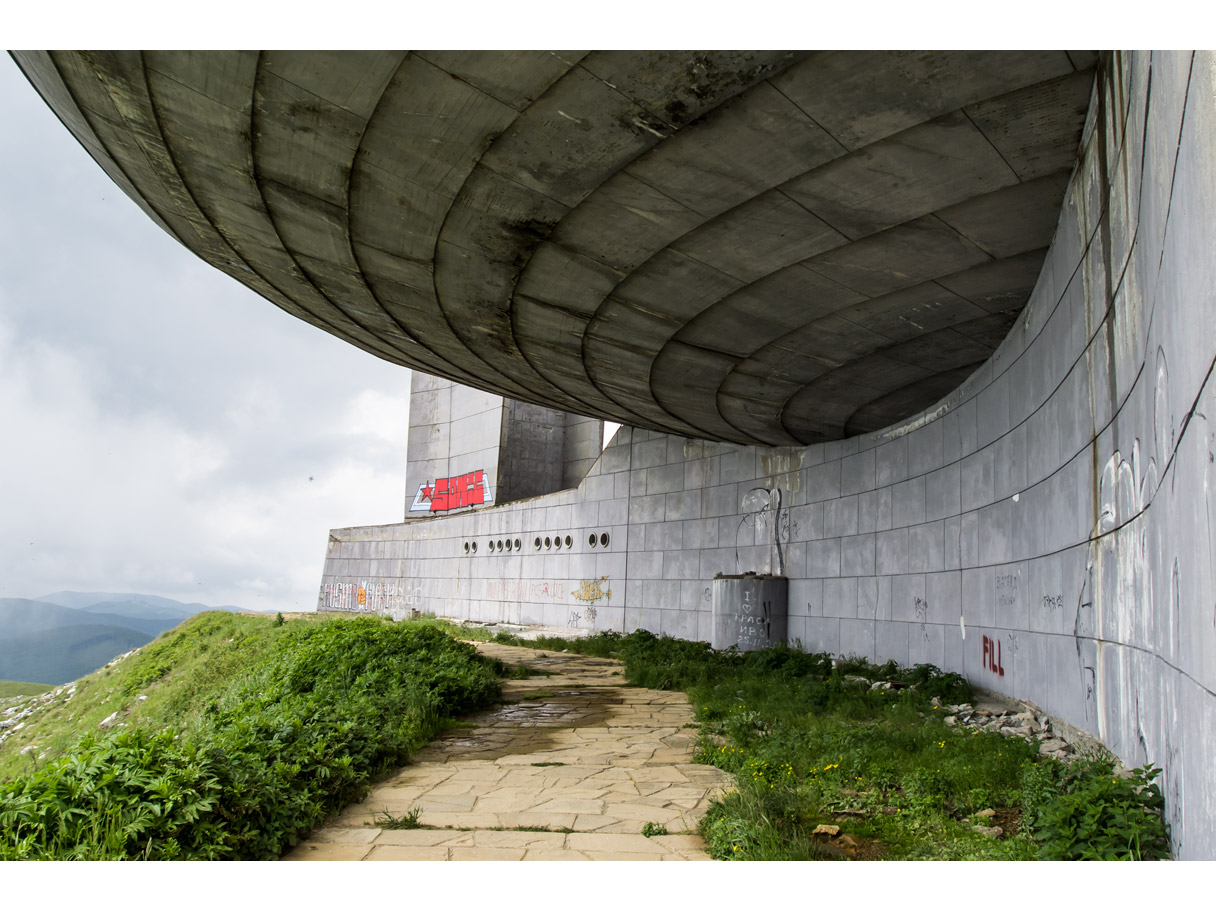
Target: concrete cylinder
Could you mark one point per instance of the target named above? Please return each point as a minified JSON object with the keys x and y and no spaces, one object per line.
{"x":750,"y":611}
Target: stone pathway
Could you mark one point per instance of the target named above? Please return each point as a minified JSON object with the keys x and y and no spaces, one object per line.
{"x":572,"y":767}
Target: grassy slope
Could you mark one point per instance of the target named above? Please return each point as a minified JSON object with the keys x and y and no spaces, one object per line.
{"x":267,"y":730}
{"x":21,"y":689}
{"x":177,"y":673}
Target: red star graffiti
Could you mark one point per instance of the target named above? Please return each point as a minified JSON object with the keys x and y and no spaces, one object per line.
{"x":467,"y":490}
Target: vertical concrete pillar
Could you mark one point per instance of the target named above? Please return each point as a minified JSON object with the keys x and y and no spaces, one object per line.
{"x":749,"y":611}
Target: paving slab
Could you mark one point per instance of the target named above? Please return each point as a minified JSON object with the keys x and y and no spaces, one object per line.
{"x":569,"y":767}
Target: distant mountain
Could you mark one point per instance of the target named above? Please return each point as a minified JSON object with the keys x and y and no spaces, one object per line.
{"x":133,"y":604}
{"x":20,"y":617}
{"x":141,"y":609}
{"x":64,"y":654}
{"x":66,"y":635}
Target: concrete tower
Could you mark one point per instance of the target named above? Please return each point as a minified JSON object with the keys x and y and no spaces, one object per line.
{"x":468,"y":448}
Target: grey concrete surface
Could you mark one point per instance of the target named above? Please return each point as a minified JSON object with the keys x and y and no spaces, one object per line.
{"x":520,"y":450}
{"x":617,"y":234}
{"x":761,"y":248}
{"x":1054,"y":509}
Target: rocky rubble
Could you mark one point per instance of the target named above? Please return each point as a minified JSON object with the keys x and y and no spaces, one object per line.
{"x":19,"y":713}
{"x":1016,"y":719}
{"x":22,"y":710}
{"x":994,"y":712}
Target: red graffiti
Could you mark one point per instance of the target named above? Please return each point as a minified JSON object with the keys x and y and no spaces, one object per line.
{"x":467,"y":490}
{"x":992,"y":656}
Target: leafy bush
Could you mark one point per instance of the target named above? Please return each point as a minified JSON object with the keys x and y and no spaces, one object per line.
{"x":1087,"y":812}
{"x":112,"y":799}
{"x":336,"y":704}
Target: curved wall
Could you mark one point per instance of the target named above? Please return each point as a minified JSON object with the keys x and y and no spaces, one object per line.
{"x":1046,"y":529}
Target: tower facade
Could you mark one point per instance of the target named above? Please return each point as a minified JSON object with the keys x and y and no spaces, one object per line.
{"x":468,"y":448}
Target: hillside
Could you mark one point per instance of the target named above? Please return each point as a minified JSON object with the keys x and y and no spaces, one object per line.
{"x":229,"y":737}
{"x":50,"y":642}
{"x":21,"y":688}
{"x":55,"y":656}
{"x":25,"y":617}
{"x":176,"y":674}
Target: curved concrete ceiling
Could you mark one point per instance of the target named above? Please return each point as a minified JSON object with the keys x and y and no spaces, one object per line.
{"x":760,"y":247}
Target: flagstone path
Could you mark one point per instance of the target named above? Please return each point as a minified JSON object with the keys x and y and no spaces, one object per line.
{"x":577,"y":753}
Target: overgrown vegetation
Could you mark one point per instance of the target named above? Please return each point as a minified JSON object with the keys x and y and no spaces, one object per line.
{"x":233,"y":736}
{"x":813,"y":746}
{"x":272,"y":737}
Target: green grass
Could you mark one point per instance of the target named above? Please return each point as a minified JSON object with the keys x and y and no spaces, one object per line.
{"x":807,"y":746}
{"x":22,"y":689}
{"x":178,"y":673}
{"x":251,"y":734}
{"x":407,"y":821}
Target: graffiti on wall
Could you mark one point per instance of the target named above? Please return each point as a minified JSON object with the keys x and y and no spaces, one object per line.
{"x":576,"y":618}
{"x":468,"y":490}
{"x":920,"y":610}
{"x":1007,"y":586}
{"x":591,"y":591}
{"x":991,"y":650}
{"x":755,"y":630}
{"x":394,"y":598}
{"x":514,"y":590}
{"x":1120,"y":596}
{"x":761,"y":510}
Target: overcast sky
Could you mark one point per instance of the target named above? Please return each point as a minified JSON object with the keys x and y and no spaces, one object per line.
{"x":164,"y":429}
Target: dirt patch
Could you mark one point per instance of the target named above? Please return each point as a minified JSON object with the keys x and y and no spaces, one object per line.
{"x":1009,"y":820}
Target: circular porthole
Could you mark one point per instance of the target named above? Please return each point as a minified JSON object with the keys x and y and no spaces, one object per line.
{"x":509,"y":546}
{"x":466,"y":547}
{"x":490,"y":545}
{"x":557,"y":541}
{"x":604,"y":540}
{"x":569,"y":542}
{"x":500,"y":544}
{"x":517,"y":544}
{"x":548,"y":542}
{"x":474,"y":547}
{"x":591,"y":539}
{"x":537,"y":543}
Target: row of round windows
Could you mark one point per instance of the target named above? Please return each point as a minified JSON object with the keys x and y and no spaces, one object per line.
{"x":549,"y":542}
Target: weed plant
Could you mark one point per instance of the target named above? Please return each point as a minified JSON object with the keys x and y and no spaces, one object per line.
{"x":1086,"y":812}
{"x":410,"y":820}
{"x":299,"y":733}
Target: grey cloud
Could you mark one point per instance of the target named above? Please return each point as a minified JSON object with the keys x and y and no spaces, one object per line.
{"x":160,"y":421}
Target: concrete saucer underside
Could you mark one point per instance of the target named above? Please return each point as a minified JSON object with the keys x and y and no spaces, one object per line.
{"x":758,"y":247}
